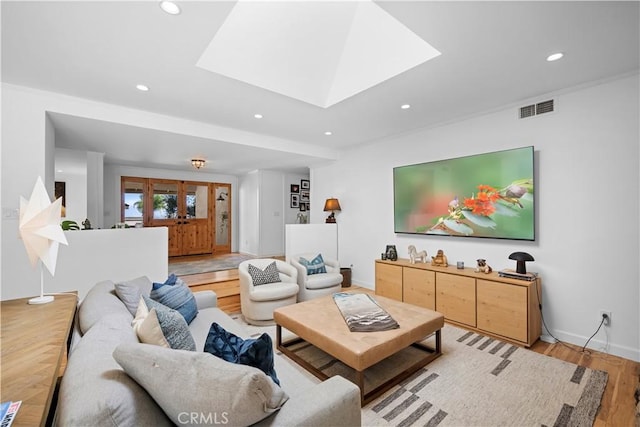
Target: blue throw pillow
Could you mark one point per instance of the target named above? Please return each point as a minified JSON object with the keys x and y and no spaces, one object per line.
{"x":251,"y":352}
{"x":315,"y":266}
{"x":175,"y":294}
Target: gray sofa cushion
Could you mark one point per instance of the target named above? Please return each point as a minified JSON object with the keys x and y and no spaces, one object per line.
{"x":235,"y":394}
{"x":96,"y":391}
{"x":101,"y":300}
{"x":130,"y":292}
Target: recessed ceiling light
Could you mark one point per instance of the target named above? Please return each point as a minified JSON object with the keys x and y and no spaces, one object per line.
{"x":170,"y":7}
{"x":328,"y":133}
{"x":257,"y":116}
{"x":60,"y":170}
{"x":555,"y":56}
{"x":143,"y":88}
{"x":405,"y":106}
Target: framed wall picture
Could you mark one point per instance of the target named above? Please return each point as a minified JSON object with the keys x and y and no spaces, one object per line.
{"x":303,"y":207}
{"x":304,"y":196}
{"x":305,"y":184}
{"x":295,"y":188}
{"x":295,"y":201}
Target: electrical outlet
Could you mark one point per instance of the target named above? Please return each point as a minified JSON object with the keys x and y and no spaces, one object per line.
{"x":607,"y":321}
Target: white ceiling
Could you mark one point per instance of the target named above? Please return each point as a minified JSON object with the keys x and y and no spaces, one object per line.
{"x":493,"y":55}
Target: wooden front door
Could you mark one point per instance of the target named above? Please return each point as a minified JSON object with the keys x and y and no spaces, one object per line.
{"x":196,"y":219}
{"x":196,"y":214}
{"x":182,"y":207}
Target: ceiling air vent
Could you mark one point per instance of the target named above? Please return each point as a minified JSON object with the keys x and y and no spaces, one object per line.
{"x":535,"y":109}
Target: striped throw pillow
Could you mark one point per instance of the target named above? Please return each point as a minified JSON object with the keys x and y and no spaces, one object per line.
{"x":315,"y":266}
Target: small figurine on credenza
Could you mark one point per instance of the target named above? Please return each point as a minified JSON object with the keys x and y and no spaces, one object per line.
{"x":440,"y":260}
{"x":414,"y":255}
{"x":483,"y":267}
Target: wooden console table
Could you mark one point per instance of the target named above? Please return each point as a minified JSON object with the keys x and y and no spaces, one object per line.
{"x":34,"y":342}
{"x":506,"y":308}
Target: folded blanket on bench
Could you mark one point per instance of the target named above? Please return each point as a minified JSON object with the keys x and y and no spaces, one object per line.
{"x":362,"y":313}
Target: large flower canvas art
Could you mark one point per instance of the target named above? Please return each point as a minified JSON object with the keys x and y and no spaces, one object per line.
{"x":485,"y":195}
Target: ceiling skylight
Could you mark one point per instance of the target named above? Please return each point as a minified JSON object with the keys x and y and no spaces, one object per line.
{"x":317,"y":52}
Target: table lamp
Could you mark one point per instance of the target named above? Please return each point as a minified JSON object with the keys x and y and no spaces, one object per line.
{"x":331,"y":205}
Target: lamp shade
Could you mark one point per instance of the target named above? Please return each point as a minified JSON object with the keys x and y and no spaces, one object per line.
{"x":332,"y":205}
{"x":521,"y":258}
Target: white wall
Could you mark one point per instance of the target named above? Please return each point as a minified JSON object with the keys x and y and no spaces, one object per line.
{"x":271,"y":197}
{"x":261,"y":213}
{"x":311,"y":238}
{"x":249,"y":215}
{"x":587,"y":184}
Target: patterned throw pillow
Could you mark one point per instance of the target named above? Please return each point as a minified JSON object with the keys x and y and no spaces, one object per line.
{"x":315,"y":266}
{"x":174,"y":327}
{"x":262,"y":277}
{"x":175,"y":294}
{"x":251,"y":352}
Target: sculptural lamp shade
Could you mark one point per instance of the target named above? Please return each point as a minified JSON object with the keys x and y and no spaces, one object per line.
{"x":41,"y":233}
{"x":331,"y":205}
{"x":521,"y":258}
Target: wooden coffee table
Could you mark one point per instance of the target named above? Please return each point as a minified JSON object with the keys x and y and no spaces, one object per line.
{"x":320,"y":323}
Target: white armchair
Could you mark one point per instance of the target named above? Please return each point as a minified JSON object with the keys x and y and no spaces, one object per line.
{"x":319,"y":284}
{"x":257,"y":302}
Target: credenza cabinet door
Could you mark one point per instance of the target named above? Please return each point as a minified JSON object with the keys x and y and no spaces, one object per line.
{"x":419,"y":287}
{"x":389,"y":281}
{"x":502,"y":309}
{"x":456,"y":298}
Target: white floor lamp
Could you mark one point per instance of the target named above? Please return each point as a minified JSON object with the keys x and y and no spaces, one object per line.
{"x":41,"y":233}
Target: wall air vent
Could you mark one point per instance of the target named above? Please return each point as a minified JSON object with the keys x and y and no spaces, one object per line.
{"x":536,"y":109}
{"x":544,"y":107}
{"x":528,"y":111}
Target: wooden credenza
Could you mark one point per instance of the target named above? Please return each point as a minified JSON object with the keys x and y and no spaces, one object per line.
{"x":507,"y":308}
{"x":34,"y":343}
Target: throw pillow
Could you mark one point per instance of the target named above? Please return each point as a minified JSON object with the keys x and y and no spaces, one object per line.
{"x":252,"y":352}
{"x":147,"y":326}
{"x":262,"y":277}
{"x":175,"y":294}
{"x":174,"y":327}
{"x":130,"y":291}
{"x":184,"y":382}
{"x":315,"y":266}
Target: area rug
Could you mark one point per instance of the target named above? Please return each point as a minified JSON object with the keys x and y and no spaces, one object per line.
{"x":478,"y":381}
{"x":227,"y":262}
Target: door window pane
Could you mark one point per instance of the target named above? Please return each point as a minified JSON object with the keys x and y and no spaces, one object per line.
{"x":165,"y":200}
{"x":222,"y":216}
{"x":197,"y":196}
{"x":133,"y":202}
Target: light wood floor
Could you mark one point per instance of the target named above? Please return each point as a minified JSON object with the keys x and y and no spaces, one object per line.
{"x":618,"y":406}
